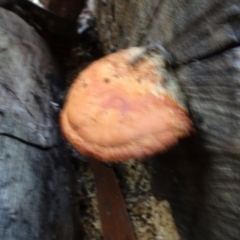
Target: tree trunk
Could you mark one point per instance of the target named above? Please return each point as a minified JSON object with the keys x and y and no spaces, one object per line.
{"x":200,"y":177}
{"x":34,"y":184}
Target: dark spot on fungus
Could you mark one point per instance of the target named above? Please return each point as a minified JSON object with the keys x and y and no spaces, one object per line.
{"x":106,"y":80}
{"x":84,"y":85}
{"x":74,"y":126}
{"x":139,"y":80}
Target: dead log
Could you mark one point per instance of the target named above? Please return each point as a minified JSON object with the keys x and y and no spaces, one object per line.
{"x":35,"y":183}
{"x":201,"y":177}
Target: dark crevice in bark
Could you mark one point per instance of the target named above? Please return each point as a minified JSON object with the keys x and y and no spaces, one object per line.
{"x":7,"y":88}
{"x":214,"y":54}
{"x":150,"y":22}
{"x":29,"y":143}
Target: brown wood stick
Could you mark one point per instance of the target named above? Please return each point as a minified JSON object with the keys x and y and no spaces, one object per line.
{"x":116,"y":224}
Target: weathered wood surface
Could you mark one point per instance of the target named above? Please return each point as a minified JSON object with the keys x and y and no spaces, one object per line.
{"x":201,"y":177}
{"x":35,"y":201}
{"x":187,"y":29}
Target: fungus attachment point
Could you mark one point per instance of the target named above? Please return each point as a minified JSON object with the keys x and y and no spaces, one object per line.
{"x":115,"y":111}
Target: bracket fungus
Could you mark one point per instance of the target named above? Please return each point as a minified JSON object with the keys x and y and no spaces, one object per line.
{"x":125,"y":105}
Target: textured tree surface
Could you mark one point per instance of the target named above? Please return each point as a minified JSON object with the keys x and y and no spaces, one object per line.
{"x":200,"y":177}
{"x":34,"y":174}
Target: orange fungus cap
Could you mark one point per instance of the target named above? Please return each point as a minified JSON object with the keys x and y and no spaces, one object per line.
{"x":115,"y":110}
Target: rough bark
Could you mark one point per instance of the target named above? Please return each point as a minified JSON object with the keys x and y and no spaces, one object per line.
{"x":35,"y":201}
{"x":200,"y":177}
{"x":187,"y":29}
